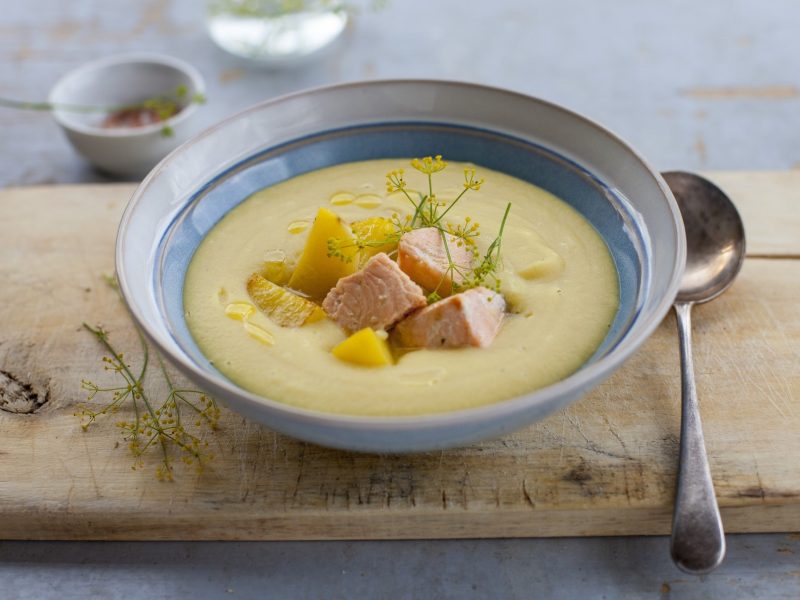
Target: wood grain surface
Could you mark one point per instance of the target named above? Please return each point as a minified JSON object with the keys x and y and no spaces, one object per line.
{"x":604,"y":466}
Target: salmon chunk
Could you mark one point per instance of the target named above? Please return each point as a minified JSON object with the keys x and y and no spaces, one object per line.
{"x":471,"y":318}
{"x":377,"y":296}
{"x":422,"y":255}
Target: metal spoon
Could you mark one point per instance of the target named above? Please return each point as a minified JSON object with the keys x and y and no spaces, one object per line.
{"x":715,"y":252}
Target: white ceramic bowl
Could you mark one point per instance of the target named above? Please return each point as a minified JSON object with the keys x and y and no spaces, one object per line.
{"x":584,"y":164}
{"x":117,"y":81}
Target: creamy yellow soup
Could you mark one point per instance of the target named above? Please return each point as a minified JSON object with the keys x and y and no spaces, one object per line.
{"x":557,"y":276}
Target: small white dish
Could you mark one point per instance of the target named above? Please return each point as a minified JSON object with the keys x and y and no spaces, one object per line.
{"x":121,"y":80}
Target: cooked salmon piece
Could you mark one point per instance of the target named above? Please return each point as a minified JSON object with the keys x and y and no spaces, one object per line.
{"x":422,"y":255}
{"x":471,"y":318}
{"x":377,"y":296}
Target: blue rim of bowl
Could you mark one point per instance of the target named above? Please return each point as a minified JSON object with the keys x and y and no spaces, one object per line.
{"x":131,"y":58}
{"x":565,"y":390}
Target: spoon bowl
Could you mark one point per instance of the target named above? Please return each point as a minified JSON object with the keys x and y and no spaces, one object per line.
{"x":714,"y":237}
{"x":715,"y":250}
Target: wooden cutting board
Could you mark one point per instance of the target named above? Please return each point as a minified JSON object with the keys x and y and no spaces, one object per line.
{"x":604,"y":466}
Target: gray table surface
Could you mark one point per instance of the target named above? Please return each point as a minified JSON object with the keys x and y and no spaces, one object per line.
{"x":692,"y":85}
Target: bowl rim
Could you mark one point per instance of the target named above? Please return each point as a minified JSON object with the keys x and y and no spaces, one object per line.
{"x":555,"y":395}
{"x":153,"y":58}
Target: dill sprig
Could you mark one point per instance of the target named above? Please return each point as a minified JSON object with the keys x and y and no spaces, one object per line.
{"x":429,"y":211}
{"x":273,"y":9}
{"x":162,"y":424}
{"x":174,"y":424}
{"x":268,"y":9}
{"x":163,"y":105}
{"x":363,"y":240}
{"x":489,"y":265}
{"x":337,"y":246}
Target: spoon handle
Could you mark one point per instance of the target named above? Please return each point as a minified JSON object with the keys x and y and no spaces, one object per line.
{"x":698,"y":542}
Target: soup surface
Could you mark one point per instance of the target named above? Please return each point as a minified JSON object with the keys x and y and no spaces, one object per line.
{"x":557,"y":277}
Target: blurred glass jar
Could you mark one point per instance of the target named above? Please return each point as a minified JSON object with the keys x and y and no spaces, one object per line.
{"x":275,"y":32}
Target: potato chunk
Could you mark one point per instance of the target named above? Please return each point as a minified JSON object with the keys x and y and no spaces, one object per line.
{"x":281,"y":305}
{"x":544,"y":263}
{"x":374,"y":230}
{"x":275,"y":267}
{"x":316,"y":272}
{"x":366,"y":348}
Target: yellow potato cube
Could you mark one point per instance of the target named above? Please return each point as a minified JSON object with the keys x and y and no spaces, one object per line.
{"x":275,"y":268}
{"x":366,"y":348}
{"x":281,"y":305}
{"x":316,"y":272}
{"x":372,"y":231}
{"x":543,"y":263}
{"x":315,"y":316}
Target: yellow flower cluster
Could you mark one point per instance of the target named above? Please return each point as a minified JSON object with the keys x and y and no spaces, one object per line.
{"x":429,"y":164}
{"x":470,"y":183}
{"x":395,"y":181}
